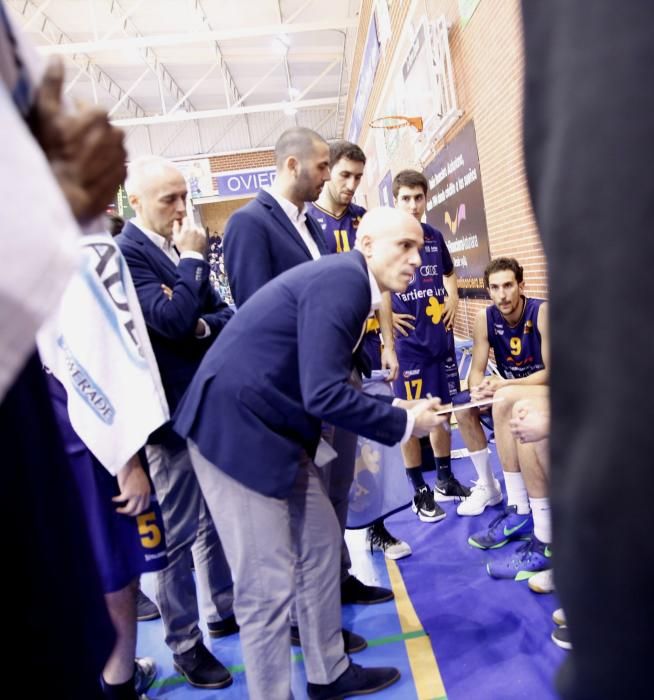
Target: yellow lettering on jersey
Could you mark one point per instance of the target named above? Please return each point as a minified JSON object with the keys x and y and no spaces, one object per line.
{"x":516,"y":346}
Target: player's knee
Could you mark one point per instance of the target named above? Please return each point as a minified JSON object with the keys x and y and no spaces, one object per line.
{"x":504,"y":397}
{"x":519,"y":406}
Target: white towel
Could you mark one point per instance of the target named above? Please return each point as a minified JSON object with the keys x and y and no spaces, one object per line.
{"x":97,"y":346}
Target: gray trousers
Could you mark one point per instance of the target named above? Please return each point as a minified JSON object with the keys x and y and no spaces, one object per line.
{"x":337,"y":477}
{"x":191,"y":539}
{"x":280,"y":550}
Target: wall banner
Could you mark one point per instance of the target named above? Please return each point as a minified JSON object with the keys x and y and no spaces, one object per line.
{"x":237,"y":183}
{"x":455,"y":206}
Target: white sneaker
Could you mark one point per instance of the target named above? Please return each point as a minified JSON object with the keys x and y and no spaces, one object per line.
{"x":542,"y":582}
{"x":482,"y":495}
{"x":558,"y":617}
{"x":380,"y":538}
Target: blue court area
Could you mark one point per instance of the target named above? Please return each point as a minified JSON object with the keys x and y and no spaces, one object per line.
{"x":490,"y":638}
{"x":379,"y":624}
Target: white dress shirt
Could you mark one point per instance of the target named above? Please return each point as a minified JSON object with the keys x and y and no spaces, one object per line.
{"x":298,"y":217}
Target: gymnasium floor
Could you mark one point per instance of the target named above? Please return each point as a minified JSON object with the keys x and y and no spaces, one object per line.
{"x":452,"y":631}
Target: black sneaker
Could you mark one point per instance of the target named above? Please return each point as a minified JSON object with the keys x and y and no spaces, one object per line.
{"x":201,"y":668}
{"x":145,"y":671}
{"x":356,"y":680}
{"x":425,"y":507}
{"x":352,"y":642}
{"x":223,"y":628}
{"x":145,"y":608}
{"x":450,"y":489}
{"x":381,"y":539}
{"x":561,"y":637}
{"x":355,"y":592}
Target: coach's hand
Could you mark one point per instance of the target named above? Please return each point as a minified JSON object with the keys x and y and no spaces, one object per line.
{"x":425,"y":417}
{"x":188,"y":237}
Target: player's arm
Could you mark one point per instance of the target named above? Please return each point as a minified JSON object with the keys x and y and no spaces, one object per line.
{"x":480,"y":354}
{"x":451,"y":301}
{"x":385,"y":318}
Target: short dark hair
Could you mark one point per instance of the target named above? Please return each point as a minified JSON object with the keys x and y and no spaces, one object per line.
{"x":501,"y":264}
{"x":297,"y":141}
{"x":409,"y":178}
{"x":116,"y":224}
{"x":345,"y":149}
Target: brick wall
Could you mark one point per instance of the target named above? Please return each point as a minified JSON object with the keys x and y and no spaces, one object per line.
{"x":488,"y":63}
{"x":242,"y":161}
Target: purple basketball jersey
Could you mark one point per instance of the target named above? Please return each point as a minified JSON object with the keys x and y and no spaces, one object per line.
{"x":517,"y":348}
{"x":423,"y":299}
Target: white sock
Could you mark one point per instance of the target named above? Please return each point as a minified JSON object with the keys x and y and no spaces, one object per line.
{"x":540,"y":510}
{"x":516,"y":492}
{"x":482,"y":466}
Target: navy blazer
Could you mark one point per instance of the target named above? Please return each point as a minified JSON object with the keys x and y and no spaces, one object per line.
{"x":171,"y":323}
{"x":260,"y":243}
{"x":279,"y":369}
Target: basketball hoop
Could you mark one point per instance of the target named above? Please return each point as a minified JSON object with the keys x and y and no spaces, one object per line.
{"x":396,"y":122}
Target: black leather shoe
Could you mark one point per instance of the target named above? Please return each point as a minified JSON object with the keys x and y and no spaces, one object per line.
{"x":223,"y":628}
{"x":353,"y":642}
{"x":145,"y":608}
{"x":201,"y":668}
{"x":355,"y":592}
{"x":355,"y":681}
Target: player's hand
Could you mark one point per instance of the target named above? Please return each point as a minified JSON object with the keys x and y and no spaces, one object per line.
{"x":530,"y":425}
{"x":134,"y":489}
{"x":450,"y":305}
{"x":188,"y":237}
{"x":402,"y":323}
{"x":389,"y":362}
{"x":85,"y":151}
{"x":167,"y":291}
{"x":425,"y":417}
{"x":486,"y":389}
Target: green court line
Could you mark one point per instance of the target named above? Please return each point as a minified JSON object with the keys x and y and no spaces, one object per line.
{"x":178,"y":679}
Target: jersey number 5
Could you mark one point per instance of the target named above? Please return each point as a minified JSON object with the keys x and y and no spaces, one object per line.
{"x":149,"y":530}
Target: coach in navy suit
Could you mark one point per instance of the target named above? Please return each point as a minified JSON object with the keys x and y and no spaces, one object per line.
{"x":270,"y":235}
{"x":273,"y":233}
{"x":253,"y":416}
{"x":184,"y":316}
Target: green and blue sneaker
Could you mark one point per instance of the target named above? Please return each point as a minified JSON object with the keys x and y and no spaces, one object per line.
{"x":506,"y":527}
{"x":528,"y":559}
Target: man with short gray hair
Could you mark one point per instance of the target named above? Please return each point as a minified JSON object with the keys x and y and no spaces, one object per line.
{"x":184,"y":315}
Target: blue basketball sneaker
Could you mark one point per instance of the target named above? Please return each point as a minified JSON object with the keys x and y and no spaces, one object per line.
{"x":531,"y":557}
{"x":506,"y":527}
